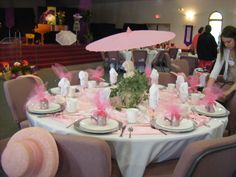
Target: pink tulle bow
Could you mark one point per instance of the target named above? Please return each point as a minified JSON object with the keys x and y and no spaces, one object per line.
{"x":39,"y":92}
{"x":101,"y":104}
{"x":193,"y":82}
{"x":211,"y":95}
{"x":61,"y":71}
{"x":96,"y":74}
{"x":173,"y":110}
{"x":148,"y":71}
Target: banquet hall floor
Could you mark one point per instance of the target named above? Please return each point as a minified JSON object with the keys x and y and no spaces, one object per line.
{"x":7,"y":125}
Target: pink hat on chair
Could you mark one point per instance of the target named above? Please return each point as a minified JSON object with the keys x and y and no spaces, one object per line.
{"x":31,"y":152}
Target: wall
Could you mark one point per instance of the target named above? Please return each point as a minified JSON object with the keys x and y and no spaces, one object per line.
{"x":143,"y":11}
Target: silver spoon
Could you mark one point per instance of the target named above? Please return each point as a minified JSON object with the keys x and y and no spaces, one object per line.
{"x":130,"y":129}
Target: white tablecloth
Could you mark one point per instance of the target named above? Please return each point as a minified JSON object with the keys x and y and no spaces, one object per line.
{"x":134,"y":154}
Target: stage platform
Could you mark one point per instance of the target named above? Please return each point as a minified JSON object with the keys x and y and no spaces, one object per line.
{"x":44,"y":56}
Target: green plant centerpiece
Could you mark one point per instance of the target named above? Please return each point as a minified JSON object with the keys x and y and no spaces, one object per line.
{"x":131,"y":90}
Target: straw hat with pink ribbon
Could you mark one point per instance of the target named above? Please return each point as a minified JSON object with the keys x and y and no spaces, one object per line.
{"x":31,"y":152}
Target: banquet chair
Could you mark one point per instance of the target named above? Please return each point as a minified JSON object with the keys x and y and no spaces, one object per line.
{"x":115,"y":60}
{"x":167,"y":60}
{"x":166,"y":77}
{"x":204,"y":158}
{"x":180,"y":66}
{"x":139,"y":59}
{"x":192,"y":61}
{"x":17,"y":92}
{"x":75,"y":77}
{"x":158,"y":62}
{"x":230,"y":106}
{"x":80,"y":156}
{"x":173,"y":52}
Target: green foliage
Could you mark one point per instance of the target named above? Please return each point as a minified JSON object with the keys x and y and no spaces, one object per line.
{"x":131,"y":90}
{"x":15,"y":69}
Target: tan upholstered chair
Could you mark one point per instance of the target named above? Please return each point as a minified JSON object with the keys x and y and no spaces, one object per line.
{"x":115,"y":59}
{"x":192,"y":61}
{"x":166,"y":77}
{"x":75,"y":77}
{"x":81,"y":157}
{"x":139,"y":58}
{"x":173,"y":52}
{"x":158,"y":62}
{"x":205,"y":158}
{"x":17,"y":92}
{"x":179,"y":66}
{"x":230,"y":106}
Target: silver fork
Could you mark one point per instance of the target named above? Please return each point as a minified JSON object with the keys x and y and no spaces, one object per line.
{"x":130,"y":129}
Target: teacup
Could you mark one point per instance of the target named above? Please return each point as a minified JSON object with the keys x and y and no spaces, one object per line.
{"x":72,"y":91}
{"x":71,"y":105}
{"x":132,"y":115}
{"x":195,"y":98}
{"x":92,"y":84}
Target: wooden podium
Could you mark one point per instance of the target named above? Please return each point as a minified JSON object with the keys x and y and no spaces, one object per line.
{"x":43,"y":28}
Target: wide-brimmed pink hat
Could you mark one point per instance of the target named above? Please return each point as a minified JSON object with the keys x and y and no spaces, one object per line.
{"x":31,"y":152}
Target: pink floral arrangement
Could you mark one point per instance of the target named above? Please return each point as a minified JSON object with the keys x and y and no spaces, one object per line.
{"x":39,"y":92}
{"x":96,"y":74}
{"x":173,"y":110}
{"x":148,"y":71}
{"x":101,"y":105}
{"x":61,"y":71}
{"x":211,"y":95}
{"x":193,"y":82}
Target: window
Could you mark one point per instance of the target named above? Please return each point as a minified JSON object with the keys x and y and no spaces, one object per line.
{"x":215,"y":20}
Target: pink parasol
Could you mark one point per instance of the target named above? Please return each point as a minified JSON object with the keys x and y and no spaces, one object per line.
{"x":130,"y":40}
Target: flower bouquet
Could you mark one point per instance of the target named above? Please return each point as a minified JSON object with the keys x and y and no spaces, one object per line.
{"x":8,"y":71}
{"x":131,"y":90}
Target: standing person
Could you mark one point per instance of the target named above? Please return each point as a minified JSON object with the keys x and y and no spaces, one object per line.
{"x":195,"y":40}
{"x":206,"y":49}
{"x":227,"y":58}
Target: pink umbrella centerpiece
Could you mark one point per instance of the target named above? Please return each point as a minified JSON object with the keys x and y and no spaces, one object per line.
{"x":130,"y":40}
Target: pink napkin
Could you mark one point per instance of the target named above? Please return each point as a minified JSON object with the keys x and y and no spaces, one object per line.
{"x":140,"y":129}
{"x":198,"y":120}
{"x":67,"y":119}
{"x":143,"y":130}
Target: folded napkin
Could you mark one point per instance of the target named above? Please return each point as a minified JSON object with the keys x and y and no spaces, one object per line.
{"x":154,"y":76}
{"x":64,"y":85}
{"x":67,"y":119}
{"x":153,"y":96}
{"x":83,"y":76}
{"x":113,"y":76}
{"x":198,"y":120}
{"x":179,"y":81}
{"x":183,"y":92}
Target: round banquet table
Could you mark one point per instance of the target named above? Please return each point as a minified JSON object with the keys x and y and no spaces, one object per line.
{"x":135,"y":153}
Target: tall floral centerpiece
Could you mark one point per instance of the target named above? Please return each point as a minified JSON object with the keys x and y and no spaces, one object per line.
{"x":131,"y":90}
{"x":61,"y":15}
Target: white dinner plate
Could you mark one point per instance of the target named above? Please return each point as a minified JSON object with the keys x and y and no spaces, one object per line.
{"x":57,"y":90}
{"x":35,"y":108}
{"x":161,"y":86}
{"x":103,"y":84}
{"x":184,"y":126}
{"x":87,"y":125}
{"x":220,"y":110}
